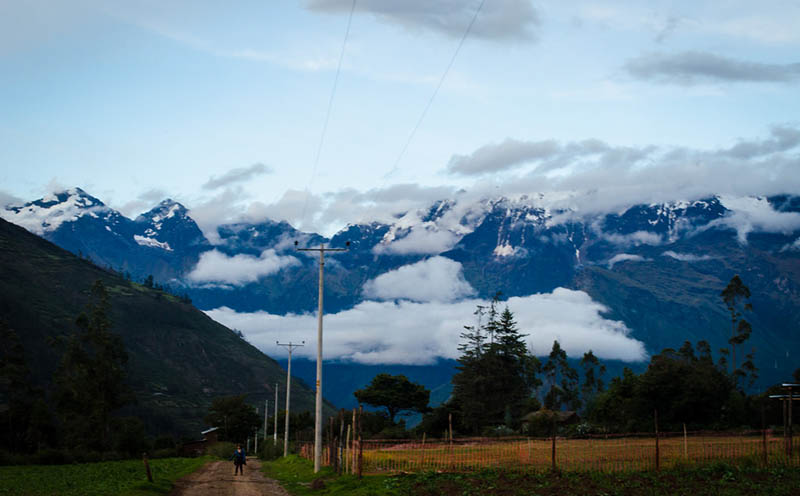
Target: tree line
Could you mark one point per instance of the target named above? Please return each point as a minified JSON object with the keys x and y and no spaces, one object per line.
{"x":500,"y":385}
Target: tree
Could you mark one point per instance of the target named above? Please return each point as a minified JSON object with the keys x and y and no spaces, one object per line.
{"x":564,"y":392}
{"x":496,"y":373}
{"x":235,"y":418}
{"x":735,"y":296}
{"x":25,"y":421}
{"x":592,"y":380}
{"x":148,"y":281}
{"x":395,"y":393}
{"x":90,"y":380}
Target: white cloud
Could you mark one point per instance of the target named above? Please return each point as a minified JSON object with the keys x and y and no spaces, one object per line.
{"x":686,"y":257}
{"x":217,"y":267}
{"x":756,"y":214}
{"x":418,"y":333}
{"x":792,"y":246}
{"x":435,"y":279}
{"x":420,"y":241}
{"x":625,"y":257}
{"x":634,"y":239}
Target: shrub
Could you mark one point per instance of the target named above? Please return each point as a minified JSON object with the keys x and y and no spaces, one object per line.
{"x":221,"y":450}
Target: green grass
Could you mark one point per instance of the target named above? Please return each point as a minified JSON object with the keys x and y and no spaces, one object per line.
{"x":296,"y":475}
{"x":124,"y":478}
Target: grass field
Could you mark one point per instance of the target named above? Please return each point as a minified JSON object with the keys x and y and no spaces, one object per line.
{"x":730,"y":479}
{"x":125,"y":478}
{"x":598,"y":454}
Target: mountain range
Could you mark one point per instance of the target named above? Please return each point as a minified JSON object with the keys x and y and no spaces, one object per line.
{"x":179,"y":359}
{"x":649,"y":274}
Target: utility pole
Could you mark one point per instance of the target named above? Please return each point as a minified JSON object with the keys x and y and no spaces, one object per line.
{"x":255,"y":436}
{"x":266,"y":411}
{"x":318,"y":410}
{"x":289,"y":346}
{"x":275,"y":420}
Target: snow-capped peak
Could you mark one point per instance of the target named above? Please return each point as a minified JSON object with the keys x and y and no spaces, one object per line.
{"x":48,"y":213}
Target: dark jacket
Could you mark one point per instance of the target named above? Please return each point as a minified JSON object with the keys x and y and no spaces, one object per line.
{"x":239,"y":457}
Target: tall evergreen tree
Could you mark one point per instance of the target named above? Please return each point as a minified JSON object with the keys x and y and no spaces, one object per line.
{"x":90,"y":380}
{"x":565,"y":391}
{"x":593,"y":372}
{"x":736,"y":296}
{"x":496,"y":374}
{"x":25,"y":421}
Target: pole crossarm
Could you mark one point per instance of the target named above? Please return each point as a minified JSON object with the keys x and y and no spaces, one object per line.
{"x":318,"y":410}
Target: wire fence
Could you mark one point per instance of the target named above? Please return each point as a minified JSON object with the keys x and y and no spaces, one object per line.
{"x":606,"y":453}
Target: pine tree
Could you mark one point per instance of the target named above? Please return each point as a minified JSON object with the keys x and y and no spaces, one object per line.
{"x":565,"y":392}
{"x":593,"y":376}
{"x":90,"y":380}
{"x":735,"y":296}
{"x":496,"y":373}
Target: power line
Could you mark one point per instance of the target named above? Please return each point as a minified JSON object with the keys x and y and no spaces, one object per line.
{"x":395,"y":167}
{"x":328,"y":112}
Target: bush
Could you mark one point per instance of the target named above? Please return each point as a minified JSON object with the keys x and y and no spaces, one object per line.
{"x":269,"y":451}
{"x":221,"y":450}
{"x":164,"y":442}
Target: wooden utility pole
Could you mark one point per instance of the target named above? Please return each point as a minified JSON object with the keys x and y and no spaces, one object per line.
{"x":266,"y":414}
{"x":289,"y":346}
{"x":275,"y":420}
{"x":318,"y":409}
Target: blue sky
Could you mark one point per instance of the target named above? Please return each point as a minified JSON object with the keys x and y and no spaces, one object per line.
{"x":222,"y":106}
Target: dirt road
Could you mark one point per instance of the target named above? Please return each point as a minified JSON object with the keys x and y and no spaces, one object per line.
{"x":217,"y":479}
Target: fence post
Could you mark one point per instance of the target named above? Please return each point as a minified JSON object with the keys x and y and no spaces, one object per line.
{"x":655,"y":418}
{"x":685,"y":444}
{"x":360,"y":447}
{"x":763,"y":435}
{"x":553,"y":453}
{"x":147,"y":467}
{"x":422,"y":461}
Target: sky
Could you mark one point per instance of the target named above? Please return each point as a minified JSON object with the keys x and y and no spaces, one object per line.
{"x":230,"y":108}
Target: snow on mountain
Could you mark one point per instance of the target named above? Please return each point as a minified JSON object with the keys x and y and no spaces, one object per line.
{"x":154,"y":243}
{"x":49,"y":213}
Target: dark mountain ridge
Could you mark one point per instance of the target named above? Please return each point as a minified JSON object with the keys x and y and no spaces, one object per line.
{"x":179,"y":359}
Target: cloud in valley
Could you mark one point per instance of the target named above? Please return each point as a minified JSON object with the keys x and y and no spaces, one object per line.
{"x":497,"y":21}
{"x":216,"y":267}
{"x":435,"y":279}
{"x":625,"y":257}
{"x":405,"y":332}
{"x":694,"y":67}
{"x":686,"y":257}
{"x":419,"y":241}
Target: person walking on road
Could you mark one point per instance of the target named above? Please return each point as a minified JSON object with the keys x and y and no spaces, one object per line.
{"x":239,"y":460}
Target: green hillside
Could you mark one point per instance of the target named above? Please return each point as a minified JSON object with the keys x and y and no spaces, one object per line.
{"x":179,"y":359}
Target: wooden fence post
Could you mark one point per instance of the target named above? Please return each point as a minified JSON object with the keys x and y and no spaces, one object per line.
{"x":360,"y":446}
{"x":147,"y":467}
{"x":655,"y":419}
{"x":763,"y":435}
{"x":685,"y":444}
{"x":553,"y":453}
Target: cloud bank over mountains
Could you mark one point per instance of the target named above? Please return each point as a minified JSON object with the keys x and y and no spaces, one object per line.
{"x":419,"y":333}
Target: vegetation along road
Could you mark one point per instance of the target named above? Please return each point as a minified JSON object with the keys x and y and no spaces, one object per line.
{"x":217,"y":479}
